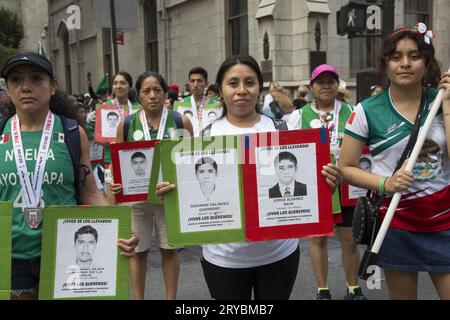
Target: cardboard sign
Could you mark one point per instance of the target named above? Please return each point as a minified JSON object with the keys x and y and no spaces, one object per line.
{"x":80,"y":258}
{"x":132,"y":164}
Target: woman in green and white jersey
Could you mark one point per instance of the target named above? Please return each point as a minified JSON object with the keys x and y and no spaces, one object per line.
{"x":152,"y":122}
{"x":33,"y":145}
{"x":419,"y":235}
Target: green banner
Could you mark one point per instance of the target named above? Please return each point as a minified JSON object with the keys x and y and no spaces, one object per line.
{"x":155,"y":177}
{"x":80,"y":258}
{"x":207,"y":203}
{"x":5,"y":249}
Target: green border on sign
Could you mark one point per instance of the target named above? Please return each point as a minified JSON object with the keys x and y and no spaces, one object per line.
{"x":5,"y":249}
{"x":171,"y":201}
{"x":181,"y":104}
{"x":154,"y":176}
{"x":49,"y":238}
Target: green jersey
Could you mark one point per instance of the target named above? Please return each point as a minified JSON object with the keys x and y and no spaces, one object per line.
{"x":57,"y":188}
{"x":136,"y":132}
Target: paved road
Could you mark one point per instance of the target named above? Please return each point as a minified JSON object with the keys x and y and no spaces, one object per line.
{"x":192,"y":285}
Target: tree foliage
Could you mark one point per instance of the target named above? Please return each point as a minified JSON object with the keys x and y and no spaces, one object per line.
{"x":11,"y":31}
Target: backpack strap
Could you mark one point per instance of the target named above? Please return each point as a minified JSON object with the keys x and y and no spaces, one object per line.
{"x":178,"y":119}
{"x":3,"y":121}
{"x":126,"y":126}
{"x":73,"y":142}
{"x":280,"y":125}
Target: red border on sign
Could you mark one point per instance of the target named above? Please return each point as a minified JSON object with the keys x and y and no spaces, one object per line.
{"x":98,"y":123}
{"x":115,"y":148}
{"x":249,"y":171}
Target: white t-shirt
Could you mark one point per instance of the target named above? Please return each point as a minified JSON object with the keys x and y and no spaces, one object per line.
{"x":247,"y":255}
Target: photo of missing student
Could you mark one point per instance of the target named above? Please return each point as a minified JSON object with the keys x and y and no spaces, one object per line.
{"x":287,"y":185}
{"x":208,"y":190}
{"x":110,"y":122}
{"x":209,"y":115}
{"x":86,"y":258}
{"x":365,"y":163}
{"x":135,"y":168}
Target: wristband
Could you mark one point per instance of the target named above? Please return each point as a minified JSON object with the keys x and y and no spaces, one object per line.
{"x":381,"y":185}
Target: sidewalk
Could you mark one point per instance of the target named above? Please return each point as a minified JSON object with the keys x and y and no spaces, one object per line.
{"x":192,"y":285}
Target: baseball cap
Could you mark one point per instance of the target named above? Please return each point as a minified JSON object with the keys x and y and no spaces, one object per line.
{"x":30,"y":58}
{"x":323,"y":68}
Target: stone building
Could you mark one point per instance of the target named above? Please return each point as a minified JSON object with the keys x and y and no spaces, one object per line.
{"x":34,"y":17}
{"x":171,"y":36}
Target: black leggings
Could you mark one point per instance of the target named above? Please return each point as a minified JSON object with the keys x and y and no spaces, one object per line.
{"x":270,"y":282}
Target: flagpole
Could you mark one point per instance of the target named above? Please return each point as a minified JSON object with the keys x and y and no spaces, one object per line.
{"x":370,"y":257}
{"x":114,"y":36}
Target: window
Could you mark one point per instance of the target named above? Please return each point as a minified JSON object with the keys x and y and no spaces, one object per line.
{"x":417,"y":11}
{"x":237,"y":32}
{"x":151,"y":35}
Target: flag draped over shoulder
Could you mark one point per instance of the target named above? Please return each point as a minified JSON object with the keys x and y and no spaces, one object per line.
{"x":103,"y":84}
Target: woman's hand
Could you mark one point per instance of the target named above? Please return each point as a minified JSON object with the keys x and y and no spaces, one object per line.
{"x":115,"y":188}
{"x":333,"y":175}
{"x":128,"y":245}
{"x":164,"y":188}
{"x":400,"y":181}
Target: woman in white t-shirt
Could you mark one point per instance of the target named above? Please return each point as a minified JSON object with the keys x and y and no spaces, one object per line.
{"x":233,"y":271}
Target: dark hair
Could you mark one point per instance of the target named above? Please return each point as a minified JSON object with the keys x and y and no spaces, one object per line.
{"x":147,"y":74}
{"x":86,"y":230}
{"x":212,"y":112}
{"x":336,"y":77}
{"x":432,"y":68}
{"x":60,"y":104}
{"x":112,"y":113}
{"x":199,"y":70}
{"x":214,"y":88}
{"x":285,"y":156}
{"x":129,"y":79}
{"x":138,"y":155}
{"x":188,"y":111}
{"x":205,"y":160}
{"x":172,"y":95}
{"x":231,"y":62}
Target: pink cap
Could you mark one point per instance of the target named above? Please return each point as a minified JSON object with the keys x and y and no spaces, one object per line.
{"x":321,"y":69}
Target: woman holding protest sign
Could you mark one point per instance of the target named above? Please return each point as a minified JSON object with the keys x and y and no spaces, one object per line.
{"x":37,"y":127}
{"x":268,"y":269}
{"x":125,"y":103}
{"x":419,"y":235}
{"x":326,"y":111}
{"x":153,"y":122}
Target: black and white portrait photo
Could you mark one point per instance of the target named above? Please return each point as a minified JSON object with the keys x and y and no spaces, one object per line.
{"x":135,"y":168}
{"x":286,"y":167}
{"x":208,"y":190}
{"x":209,"y":115}
{"x":287,"y":185}
{"x":110,"y":121}
{"x":86,"y":258}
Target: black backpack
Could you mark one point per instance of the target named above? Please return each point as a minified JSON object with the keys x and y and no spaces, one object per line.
{"x":73,"y":141}
{"x":127,"y":122}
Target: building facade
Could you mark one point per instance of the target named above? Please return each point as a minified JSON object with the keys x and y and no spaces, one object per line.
{"x":171,"y":36}
{"x":34,"y":17}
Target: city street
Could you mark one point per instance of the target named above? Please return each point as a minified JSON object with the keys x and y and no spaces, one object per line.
{"x":192,"y":285}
